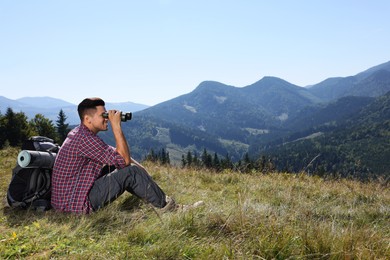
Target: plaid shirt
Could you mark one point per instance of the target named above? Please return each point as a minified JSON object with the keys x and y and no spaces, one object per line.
{"x":78,"y":164}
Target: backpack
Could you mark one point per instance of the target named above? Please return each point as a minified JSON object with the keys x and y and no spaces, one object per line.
{"x":30,"y":185}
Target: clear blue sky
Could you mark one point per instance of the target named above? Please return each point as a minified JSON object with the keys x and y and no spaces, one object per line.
{"x":150,"y":51}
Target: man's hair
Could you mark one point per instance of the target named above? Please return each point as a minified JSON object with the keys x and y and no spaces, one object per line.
{"x":89,"y":105}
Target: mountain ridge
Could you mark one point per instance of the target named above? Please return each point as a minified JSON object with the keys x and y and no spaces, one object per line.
{"x":337,"y":87}
{"x":50,"y":107}
{"x":44,"y":102}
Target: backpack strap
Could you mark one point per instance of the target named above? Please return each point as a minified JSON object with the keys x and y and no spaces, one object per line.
{"x":38,"y":186}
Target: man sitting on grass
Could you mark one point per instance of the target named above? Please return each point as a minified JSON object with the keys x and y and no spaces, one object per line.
{"x":79,"y":183}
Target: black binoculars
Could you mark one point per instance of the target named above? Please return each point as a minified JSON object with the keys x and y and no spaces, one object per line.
{"x":124,"y":116}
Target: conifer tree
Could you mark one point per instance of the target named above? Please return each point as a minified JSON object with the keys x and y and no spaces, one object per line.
{"x":216,"y":162}
{"x":206,"y":159}
{"x":189,"y":159}
{"x":62,"y":127}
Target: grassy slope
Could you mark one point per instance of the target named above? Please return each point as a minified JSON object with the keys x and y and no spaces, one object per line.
{"x":246,"y":217}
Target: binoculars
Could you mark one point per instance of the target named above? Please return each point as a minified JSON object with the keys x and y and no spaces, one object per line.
{"x":124,"y":116}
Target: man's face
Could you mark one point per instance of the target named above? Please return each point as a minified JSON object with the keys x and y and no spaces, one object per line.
{"x":97,"y":122}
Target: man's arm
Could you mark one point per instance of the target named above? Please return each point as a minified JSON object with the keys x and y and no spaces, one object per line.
{"x":121,"y":144}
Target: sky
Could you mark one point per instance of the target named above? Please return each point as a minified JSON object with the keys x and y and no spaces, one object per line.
{"x":150,"y":51}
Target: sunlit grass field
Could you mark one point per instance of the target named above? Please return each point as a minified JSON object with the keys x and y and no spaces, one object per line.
{"x":245,"y":216}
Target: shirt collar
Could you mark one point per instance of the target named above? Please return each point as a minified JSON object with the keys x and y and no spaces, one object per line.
{"x":84,"y":128}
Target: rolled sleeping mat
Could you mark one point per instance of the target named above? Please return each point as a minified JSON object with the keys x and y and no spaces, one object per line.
{"x":36,"y":159}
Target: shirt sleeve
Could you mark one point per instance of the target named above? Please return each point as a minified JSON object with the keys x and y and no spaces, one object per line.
{"x":95,"y":149}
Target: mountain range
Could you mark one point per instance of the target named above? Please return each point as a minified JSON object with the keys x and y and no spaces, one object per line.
{"x":268,"y":117}
{"x":50,"y":107}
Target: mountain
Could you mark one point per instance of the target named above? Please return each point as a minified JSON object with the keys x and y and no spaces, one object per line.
{"x":47,"y":106}
{"x":6,"y":102}
{"x":278,"y":96}
{"x":262,"y":105}
{"x":358,"y":146}
{"x":43,"y":102}
{"x":373,"y":82}
{"x":311,"y":121}
{"x":50,"y":107}
{"x":374,"y":85}
{"x":332,"y":113}
{"x":368,"y":72}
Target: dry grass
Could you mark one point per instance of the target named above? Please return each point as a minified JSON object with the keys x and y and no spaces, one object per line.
{"x":246,"y":216}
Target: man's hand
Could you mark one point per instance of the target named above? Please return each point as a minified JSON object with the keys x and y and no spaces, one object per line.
{"x":115,"y":118}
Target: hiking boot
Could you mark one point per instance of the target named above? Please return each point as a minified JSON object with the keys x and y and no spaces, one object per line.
{"x":170,"y":206}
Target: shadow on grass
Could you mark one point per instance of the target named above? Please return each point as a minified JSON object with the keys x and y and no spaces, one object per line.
{"x":17,"y":216}
{"x":128,"y":208}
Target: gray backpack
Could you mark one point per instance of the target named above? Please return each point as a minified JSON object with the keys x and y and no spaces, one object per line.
{"x":30,"y":185}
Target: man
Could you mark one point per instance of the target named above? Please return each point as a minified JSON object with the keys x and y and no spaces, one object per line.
{"x":78,"y":183}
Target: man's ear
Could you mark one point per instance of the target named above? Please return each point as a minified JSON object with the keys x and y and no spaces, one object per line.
{"x":87,"y":119}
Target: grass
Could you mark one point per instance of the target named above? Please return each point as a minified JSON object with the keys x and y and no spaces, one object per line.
{"x":246,"y":216}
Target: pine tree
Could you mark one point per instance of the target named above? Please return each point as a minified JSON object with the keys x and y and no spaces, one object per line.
{"x":163,"y":156}
{"x":216,"y":162}
{"x":189,"y":159}
{"x":206,"y":159}
{"x":227,"y":162}
{"x":196,"y":163}
{"x":248,"y":165}
{"x":183,"y":161}
{"x":62,"y":127}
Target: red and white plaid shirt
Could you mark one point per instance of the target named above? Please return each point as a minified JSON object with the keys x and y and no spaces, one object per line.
{"x":78,"y":164}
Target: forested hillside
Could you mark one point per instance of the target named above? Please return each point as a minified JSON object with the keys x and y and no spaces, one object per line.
{"x":359,"y":146}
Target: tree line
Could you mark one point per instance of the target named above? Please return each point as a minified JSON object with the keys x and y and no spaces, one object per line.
{"x":214,"y":162}
{"x":15,"y":128}
{"x":217,"y":163}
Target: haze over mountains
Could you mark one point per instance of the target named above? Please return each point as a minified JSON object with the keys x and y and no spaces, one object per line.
{"x":50,"y":107}
{"x":260,"y":118}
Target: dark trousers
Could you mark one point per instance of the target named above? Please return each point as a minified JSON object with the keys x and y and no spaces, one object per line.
{"x":132,"y":179}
